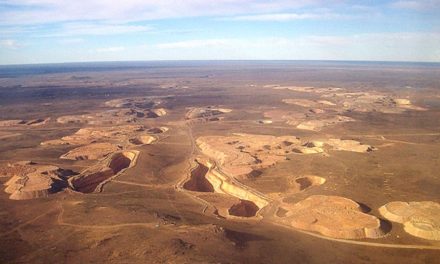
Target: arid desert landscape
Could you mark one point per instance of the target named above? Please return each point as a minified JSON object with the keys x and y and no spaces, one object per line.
{"x":220,"y":162}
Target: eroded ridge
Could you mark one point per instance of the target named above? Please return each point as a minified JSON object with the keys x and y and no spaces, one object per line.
{"x":420,"y":219}
{"x":30,"y":180}
{"x":92,"y":179}
{"x":209,"y":113}
{"x":333,"y":216}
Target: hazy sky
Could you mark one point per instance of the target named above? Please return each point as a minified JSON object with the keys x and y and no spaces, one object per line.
{"x":38,"y":31}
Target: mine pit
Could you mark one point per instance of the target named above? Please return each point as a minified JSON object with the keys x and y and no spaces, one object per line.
{"x":121,"y":161}
{"x":309,"y":181}
{"x":244,"y":209}
{"x":157,"y":130}
{"x":198,"y":182}
{"x":91,"y":180}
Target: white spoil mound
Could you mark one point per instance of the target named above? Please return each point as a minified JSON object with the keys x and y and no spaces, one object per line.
{"x":29,"y":180}
{"x":333,"y":216}
{"x":420,"y":219}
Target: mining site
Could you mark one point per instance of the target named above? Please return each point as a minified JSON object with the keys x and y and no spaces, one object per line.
{"x":220,"y":162}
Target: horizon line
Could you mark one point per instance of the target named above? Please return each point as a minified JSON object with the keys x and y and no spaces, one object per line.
{"x":217,"y":60}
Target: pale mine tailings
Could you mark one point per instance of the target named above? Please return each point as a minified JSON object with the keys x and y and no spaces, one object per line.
{"x":30,"y":180}
{"x":333,"y":216}
{"x":420,"y":219}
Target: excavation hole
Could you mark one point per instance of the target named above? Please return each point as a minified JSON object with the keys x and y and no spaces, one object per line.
{"x":198,"y":181}
{"x":244,"y":209}
{"x":121,"y":161}
{"x":87,"y":183}
{"x":309,"y":181}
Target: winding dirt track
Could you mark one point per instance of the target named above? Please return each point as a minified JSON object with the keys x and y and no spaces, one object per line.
{"x":28,"y":222}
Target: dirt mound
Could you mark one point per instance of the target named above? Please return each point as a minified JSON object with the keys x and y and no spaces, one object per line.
{"x":334,"y":216}
{"x":352,"y":101}
{"x":264,"y":121}
{"x":309,"y":181}
{"x":112,"y":117}
{"x":159,"y":112}
{"x":241,"y":154}
{"x":157,"y":130}
{"x":371,"y":102}
{"x":92,"y":179}
{"x":198,"y":182}
{"x":304,"y":89}
{"x":136,"y":102}
{"x":206,"y":113}
{"x":420,"y":219}
{"x":318,"y":124}
{"x":244,"y":209}
{"x":314,"y":119}
{"x":116,"y":134}
{"x":30,"y":180}
{"x":19,"y":122}
{"x":349,"y":145}
{"x":312,"y":147}
{"x":308,"y":103}
{"x":92,"y":151}
{"x":143,"y":140}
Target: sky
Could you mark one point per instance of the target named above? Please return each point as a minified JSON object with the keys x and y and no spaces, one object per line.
{"x":54,"y":31}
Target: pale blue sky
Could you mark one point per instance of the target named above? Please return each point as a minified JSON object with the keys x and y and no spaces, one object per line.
{"x":42,"y":31}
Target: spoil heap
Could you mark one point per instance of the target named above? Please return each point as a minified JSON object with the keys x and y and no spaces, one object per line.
{"x":30,"y":180}
{"x":19,"y":122}
{"x":206,"y":113}
{"x":420,"y":219}
{"x":118,"y":135}
{"x":92,"y":151}
{"x":333,"y":216}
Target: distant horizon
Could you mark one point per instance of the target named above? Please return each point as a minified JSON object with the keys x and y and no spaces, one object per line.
{"x":219,"y":60}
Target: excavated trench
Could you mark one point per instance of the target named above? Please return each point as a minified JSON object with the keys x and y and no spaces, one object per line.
{"x":244,"y":209}
{"x":198,"y":182}
{"x":207,"y":178}
{"x":88,"y":182}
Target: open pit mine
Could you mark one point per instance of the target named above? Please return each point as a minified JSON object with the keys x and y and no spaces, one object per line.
{"x":258,"y":163}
